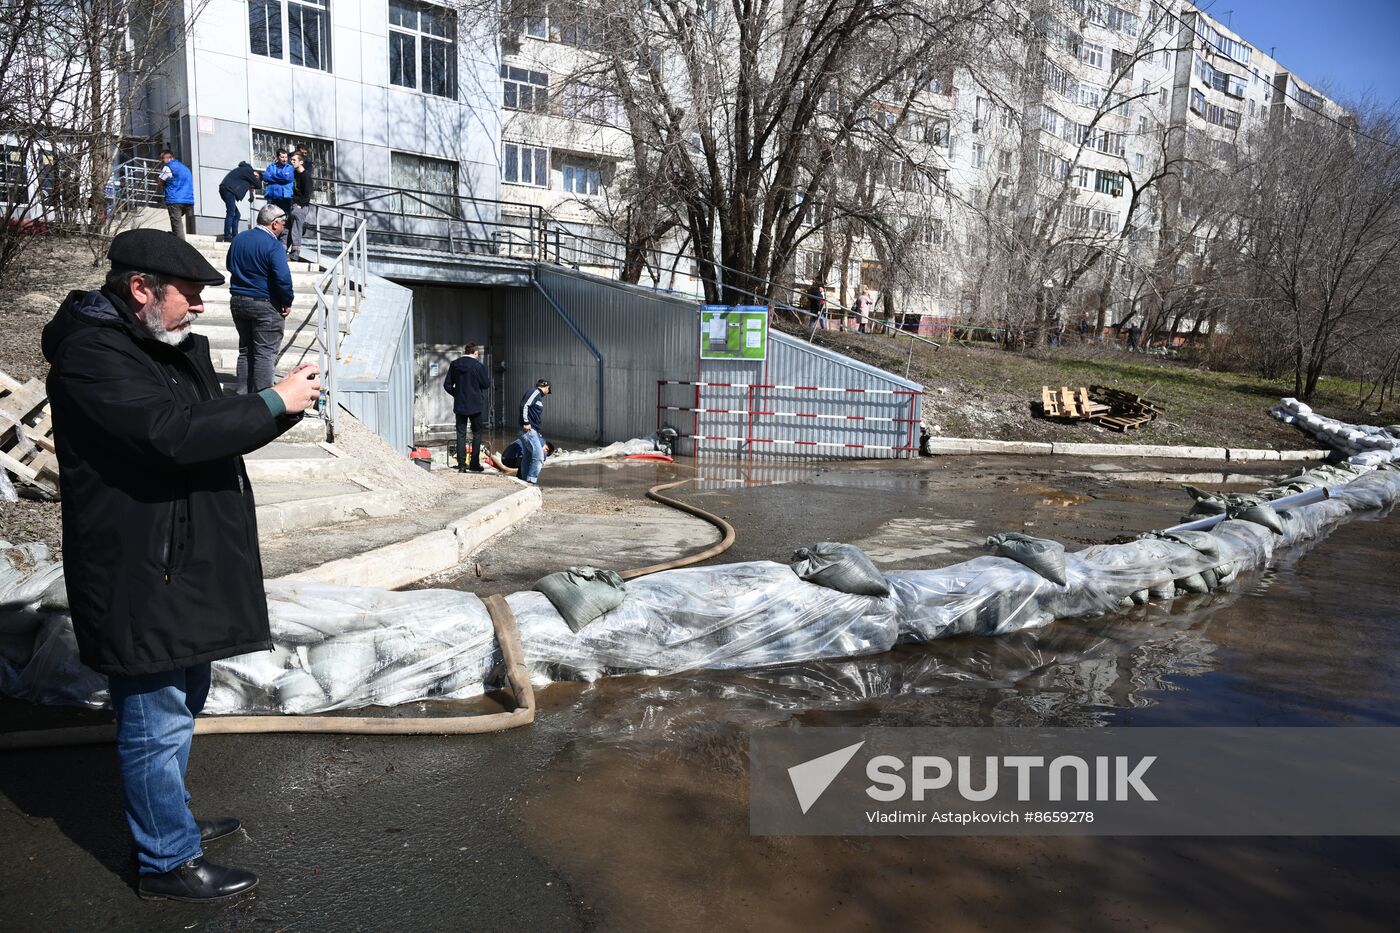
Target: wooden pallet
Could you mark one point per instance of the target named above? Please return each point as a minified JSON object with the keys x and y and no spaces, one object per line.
{"x":26,"y":435}
{"x":1070,"y":405}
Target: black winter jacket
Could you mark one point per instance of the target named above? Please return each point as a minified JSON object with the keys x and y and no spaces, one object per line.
{"x":467,"y":382}
{"x":240,"y":181}
{"x":160,"y":536}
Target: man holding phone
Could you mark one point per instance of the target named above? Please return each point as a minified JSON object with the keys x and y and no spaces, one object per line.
{"x":160,"y":533}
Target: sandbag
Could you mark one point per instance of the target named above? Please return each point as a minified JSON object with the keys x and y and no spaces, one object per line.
{"x":582,"y":594}
{"x":841,"y":567}
{"x":1042,"y":555}
{"x":1202,"y":542}
{"x":1261,"y":513}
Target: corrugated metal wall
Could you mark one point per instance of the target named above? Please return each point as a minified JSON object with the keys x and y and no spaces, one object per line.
{"x":376,"y":375}
{"x":643,"y":337}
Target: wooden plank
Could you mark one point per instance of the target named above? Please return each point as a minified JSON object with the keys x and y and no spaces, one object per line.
{"x":1067,"y":406}
{"x":1048,"y":405}
{"x":19,"y":469}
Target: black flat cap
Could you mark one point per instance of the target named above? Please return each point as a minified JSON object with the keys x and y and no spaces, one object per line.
{"x":163,"y":254}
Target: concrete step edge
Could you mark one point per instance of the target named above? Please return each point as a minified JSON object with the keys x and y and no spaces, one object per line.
{"x":321,"y":511}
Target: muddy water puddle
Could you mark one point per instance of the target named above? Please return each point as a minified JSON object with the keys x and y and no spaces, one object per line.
{"x":645,"y":813}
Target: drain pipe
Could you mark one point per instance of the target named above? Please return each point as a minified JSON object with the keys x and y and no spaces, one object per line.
{"x":1280,"y":505}
{"x":583,"y":338}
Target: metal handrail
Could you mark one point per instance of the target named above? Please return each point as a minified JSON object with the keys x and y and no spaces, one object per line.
{"x":344,"y":280}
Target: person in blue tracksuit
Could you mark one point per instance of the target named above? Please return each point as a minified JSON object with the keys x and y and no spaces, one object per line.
{"x":279,"y":183}
{"x":532,"y":406}
{"x":179,"y":191}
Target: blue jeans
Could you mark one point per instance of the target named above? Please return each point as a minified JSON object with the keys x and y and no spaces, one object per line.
{"x":232,"y":219}
{"x":532,"y":456}
{"x":155,"y":724}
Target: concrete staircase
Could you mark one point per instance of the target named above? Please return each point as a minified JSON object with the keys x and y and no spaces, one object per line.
{"x":302,"y":482}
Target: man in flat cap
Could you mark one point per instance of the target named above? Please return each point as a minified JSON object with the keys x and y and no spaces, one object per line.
{"x":260,"y":287}
{"x":160,"y":537}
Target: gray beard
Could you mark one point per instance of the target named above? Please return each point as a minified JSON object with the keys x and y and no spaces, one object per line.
{"x":153,"y":321}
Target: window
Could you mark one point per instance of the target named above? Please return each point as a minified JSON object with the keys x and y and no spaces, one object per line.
{"x":1008,"y":118}
{"x":1051,"y":165}
{"x":1234,"y":86}
{"x":14,"y":179}
{"x":1004,"y":161}
{"x":1122,"y":61}
{"x":595,"y":105}
{"x":1137,"y":161}
{"x":1111,"y":143}
{"x":1110,"y":183}
{"x":1083,"y":177}
{"x":979,"y":155}
{"x":582,"y":176}
{"x":936,"y":133}
{"x":1049,"y":121}
{"x":525,"y":90}
{"x":1142,"y":126}
{"x":526,"y":165}
{"x":320,"y":151}
{"x":423,"y":48}
{"x":1090,"y":95}
{"x":1230,"y":120}
{"x":934,"y":232}
{"x":1162,"y":97}
{"x":435,"y":179}
{"x":1146,"y":87}
{"x":306,"y":24}
{"x":1251,"y":108}
{"x":1091,"y":54}
{"x":1198,"y":102}
{"x":265,"y":27}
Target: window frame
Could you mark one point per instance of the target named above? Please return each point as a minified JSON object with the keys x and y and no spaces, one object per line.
{"x":429,"y":47}
{"x":317,"y":11}
{"x":521,"y":148}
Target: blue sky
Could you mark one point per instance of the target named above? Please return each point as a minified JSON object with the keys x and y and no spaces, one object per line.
{"x":1351,"y":43}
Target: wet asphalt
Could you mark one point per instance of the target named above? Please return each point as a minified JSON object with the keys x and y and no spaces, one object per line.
{"x":548,"y":828}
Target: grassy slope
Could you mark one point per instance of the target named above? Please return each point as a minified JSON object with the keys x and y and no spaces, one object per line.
{"x":979,"y":391}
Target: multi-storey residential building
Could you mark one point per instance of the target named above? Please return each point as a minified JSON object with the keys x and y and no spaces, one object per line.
{"x":405,"y":94}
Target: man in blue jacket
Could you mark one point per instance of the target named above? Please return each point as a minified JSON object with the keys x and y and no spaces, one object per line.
{"x":468,"y":382}
{"x":279,"y":180}
{"x":179,"y":191}
{"x":261,"y":283}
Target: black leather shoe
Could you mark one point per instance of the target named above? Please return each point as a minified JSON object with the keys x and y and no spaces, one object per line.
{"x":476,"y":469}
{"x":217,"y":828}
{"x":199,"y":882}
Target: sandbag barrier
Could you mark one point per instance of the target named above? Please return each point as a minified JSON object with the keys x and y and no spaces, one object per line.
{"x":347,"y":647}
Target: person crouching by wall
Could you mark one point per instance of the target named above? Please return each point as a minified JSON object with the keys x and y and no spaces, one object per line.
{"x":527,"y":456}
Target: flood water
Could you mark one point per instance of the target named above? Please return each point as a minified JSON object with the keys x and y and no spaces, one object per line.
{"x":646,"y":810}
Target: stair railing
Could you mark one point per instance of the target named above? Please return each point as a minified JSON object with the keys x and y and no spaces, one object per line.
{"x":340,"y":288}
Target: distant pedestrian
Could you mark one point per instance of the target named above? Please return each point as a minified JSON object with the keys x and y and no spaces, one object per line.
{"x":468,"y":382}
{"x":1057,"y":331}
{"x":866,"y":307}
{"x":816,"y":306}
{"x":279,"y":179}
{"x":1084,"y":329}
{"x":532,"y":405}
{"x":179,"y":192}
{"x":261,"y":286}
{"x":1134,"y":332}
{"x":301,"y":203}
{"x":524,"y":459}
{"x":237,"y":185}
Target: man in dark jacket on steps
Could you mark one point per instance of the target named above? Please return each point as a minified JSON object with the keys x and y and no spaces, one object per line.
{"x":468,"y":382}
{"x":233,"y":189}
{"x":160,"y":536}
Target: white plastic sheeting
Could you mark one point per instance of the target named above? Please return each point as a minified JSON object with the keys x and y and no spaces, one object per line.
{"x":1367,"y":445}
{"x":342,"y":647}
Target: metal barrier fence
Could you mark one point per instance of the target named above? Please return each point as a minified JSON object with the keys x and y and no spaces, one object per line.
{"x":756,"y":402}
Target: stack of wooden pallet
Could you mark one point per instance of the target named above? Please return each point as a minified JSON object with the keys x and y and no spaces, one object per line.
{"x":1129,"y":411}
{"x":26,"y":435}
{"x":1112,"y":408}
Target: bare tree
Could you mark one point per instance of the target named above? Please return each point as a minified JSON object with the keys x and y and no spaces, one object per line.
{"x":1323,"y":215}
{"x":70,"y":75}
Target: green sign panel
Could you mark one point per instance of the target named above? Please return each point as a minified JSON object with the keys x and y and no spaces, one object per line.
{"x":739,"y":332}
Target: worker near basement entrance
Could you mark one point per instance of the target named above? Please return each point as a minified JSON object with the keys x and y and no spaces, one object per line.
{"x":160,"y":532}
{"x":531,"y":426}
{"x":468,"y":382}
